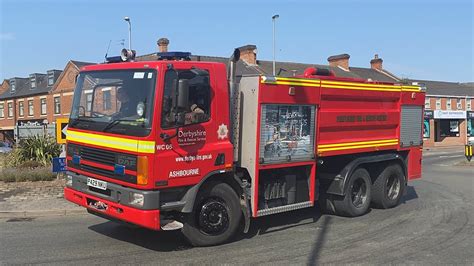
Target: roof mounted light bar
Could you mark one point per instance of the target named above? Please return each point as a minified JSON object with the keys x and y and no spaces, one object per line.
{"x":180,"y":56}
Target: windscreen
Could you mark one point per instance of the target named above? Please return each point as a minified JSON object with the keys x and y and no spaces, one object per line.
{"x":118,"y":101}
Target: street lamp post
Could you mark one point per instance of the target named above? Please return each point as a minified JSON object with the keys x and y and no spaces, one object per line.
{"x":127,"y":19}
{"x":274,"y":17}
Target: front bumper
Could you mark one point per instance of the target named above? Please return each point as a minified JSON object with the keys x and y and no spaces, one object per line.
{"x":146,"y":218}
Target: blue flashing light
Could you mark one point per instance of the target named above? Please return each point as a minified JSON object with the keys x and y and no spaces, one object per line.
{"x":174,"y":56}
{"x":113,"y":59}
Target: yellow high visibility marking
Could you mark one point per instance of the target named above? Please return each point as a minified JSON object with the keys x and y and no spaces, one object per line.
{"x":358,"y":88}
{"x":358,"y":146}
{"x":132,"y":145}
{"x":357,"y":143}
{"x":337,"y":84}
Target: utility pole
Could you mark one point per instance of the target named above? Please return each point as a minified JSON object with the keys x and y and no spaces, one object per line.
{"x":127,"y":19}
{"x":274,"y":17}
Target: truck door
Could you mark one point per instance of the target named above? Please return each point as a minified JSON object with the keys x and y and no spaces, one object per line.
{"x":193,"y":138}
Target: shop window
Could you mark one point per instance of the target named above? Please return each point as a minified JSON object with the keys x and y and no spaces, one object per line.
{"x":426,"y":128}
{"x":449,"y":128}
{"x":438,"y":104}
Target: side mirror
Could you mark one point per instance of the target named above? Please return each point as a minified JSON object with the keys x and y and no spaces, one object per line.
{"x":183,"y":93}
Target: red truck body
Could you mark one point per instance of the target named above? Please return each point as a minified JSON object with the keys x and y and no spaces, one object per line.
{"x":272,"y":140}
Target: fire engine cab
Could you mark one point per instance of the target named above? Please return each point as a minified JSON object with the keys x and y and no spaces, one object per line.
{"x":181,"y":144}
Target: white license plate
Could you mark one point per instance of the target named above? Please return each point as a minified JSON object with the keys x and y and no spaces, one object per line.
{"x":96,"y":183}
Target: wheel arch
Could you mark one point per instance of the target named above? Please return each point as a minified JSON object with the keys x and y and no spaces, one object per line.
{"x":214,"y":176}
{"x":338,"y":181}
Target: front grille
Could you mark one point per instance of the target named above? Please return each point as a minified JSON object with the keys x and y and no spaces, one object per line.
{"x":104,"y":157}
{"x":99,"y":156}
{"x":103,"y":172}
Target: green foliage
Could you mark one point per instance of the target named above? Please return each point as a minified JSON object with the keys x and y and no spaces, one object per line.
{"x":26,"y":174}
{"x":33,"y":152}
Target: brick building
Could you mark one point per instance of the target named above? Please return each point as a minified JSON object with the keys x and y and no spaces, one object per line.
{"x":36,"y":100}
{"x":449,"y":116}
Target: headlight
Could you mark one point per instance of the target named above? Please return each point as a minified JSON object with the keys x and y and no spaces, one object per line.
{"x":137,"y":199}
{"x":69,"y":180}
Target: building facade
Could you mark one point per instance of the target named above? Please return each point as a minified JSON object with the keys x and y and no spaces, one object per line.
{"x":42,"y":98}
{"x":37,"y":100}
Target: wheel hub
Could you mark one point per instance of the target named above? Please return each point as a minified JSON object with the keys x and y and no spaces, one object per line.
{"x":359,"y":193}
{"x":393,"y":187}
{"x":213,"y":217}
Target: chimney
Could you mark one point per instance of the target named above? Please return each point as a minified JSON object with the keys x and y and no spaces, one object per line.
{"x":163,"y":45}
{"x":376,"y":63}
{"x":340,"y":60}
{"x":248,"y":53}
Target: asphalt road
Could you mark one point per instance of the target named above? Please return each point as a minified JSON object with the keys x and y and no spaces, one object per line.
{"x":433,"y":225}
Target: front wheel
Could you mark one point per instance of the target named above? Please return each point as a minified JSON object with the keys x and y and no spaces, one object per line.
{"x":215,"y":217}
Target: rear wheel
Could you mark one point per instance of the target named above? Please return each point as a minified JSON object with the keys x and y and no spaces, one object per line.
{"x":357,"y":196}
{"x":388,"y":187}
{"x":215,"y":217}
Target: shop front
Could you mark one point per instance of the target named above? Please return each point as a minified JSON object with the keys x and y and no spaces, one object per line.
{"x":449,"y":128}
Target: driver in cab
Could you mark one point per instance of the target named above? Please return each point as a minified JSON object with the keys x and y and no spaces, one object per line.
{"x":126,"y":106}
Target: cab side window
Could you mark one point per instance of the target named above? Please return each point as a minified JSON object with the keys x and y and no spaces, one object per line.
{"x":198,"y":107}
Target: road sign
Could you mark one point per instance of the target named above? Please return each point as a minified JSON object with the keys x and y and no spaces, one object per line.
{"x":59,"y":164}
{"x":61,"y":130}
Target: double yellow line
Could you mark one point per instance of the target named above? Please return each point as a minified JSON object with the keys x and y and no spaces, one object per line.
{"x":357,"y":145}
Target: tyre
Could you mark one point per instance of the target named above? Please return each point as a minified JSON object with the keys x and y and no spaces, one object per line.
{"x":357,"y":195}
{"x":215,"y":217}
{"x":388,"y":187}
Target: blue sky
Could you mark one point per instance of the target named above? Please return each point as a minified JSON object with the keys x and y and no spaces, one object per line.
{"x":422,"y":39}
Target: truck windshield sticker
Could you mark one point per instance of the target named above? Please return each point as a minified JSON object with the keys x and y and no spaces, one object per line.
{"x":287,"y":133}
{"x":139,"y":75}
{"x":150,"y":75}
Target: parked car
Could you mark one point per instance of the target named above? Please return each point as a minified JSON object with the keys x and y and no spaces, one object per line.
{"x":5,"y":147}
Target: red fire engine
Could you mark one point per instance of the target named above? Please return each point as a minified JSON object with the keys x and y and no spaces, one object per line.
{"x":181,"y":144}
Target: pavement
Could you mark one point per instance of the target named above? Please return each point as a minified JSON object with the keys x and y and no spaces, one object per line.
{"x":432,"y":226}
{"x":35,"y":199}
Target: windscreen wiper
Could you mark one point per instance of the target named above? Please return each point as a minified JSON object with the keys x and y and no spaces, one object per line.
{"x":113,"y":124}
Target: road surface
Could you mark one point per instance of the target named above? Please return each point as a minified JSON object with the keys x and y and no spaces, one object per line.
{"x":433,"y":225}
